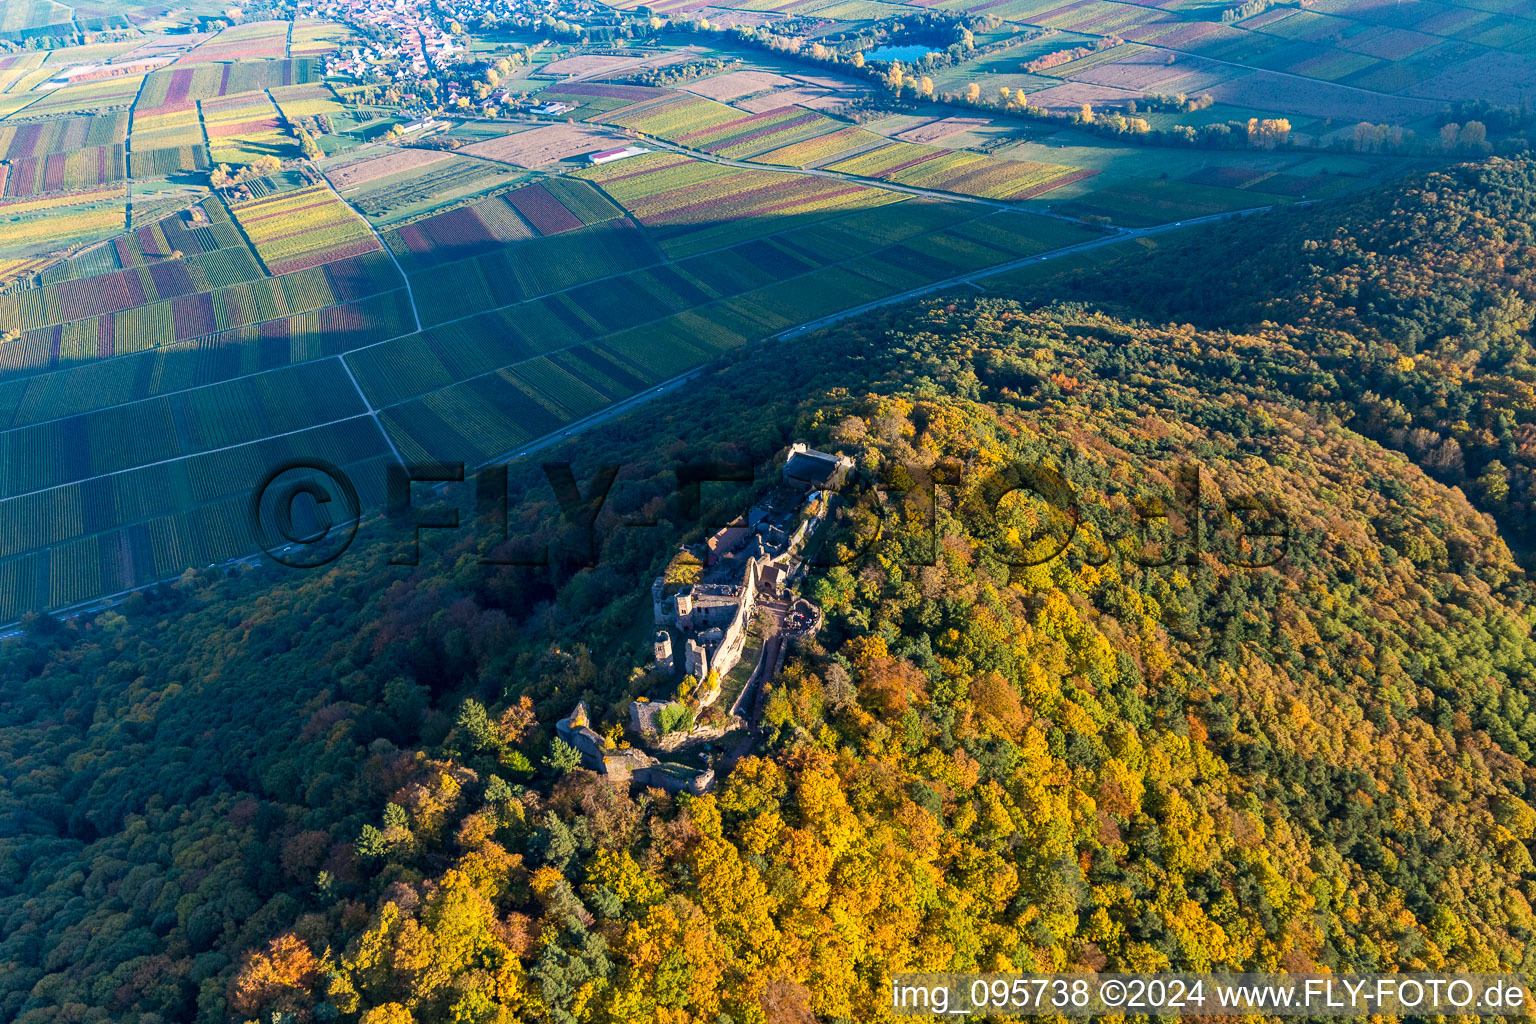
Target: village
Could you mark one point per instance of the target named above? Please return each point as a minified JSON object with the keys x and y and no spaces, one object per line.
{"x":726,"y":611}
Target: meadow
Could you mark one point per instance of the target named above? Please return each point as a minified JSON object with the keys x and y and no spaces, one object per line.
{"x":428,"y":186}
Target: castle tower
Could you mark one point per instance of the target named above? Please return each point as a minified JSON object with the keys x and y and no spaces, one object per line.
{"x":697,"y":663}
{"x":663,"y":650}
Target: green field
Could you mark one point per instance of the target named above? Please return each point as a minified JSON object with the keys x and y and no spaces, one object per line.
{"x":159,"y":348}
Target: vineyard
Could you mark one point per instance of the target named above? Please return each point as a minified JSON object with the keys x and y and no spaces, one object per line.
{"x":187,"y":512}
{"x":296,"y":101}
{"x":178,"y":86}
{"x":44,"y":138}
{"x":714,"y":127}
{"x":312,"y":38}
{"x":244,"y":126}
{"x":757,"y":133}
{"x":157,"y":163}
{"x":256,"y":41}
{"x":162,"y":322}
{"x":25,"y":266}
{"x":549,"y":207}
{"x":594,"y":99}
{"x":60,"y":172}
{"x":50,"y":223}
{"x":108,"y":94}
{"x":958,"y":171}
{"x":544,"y":297}
{"x":305,"y":228}
{"x":429,"y":187}
{"x":166,"y":127}
{"x":527,"y":269}
{"x":694,"y":205}
{"x":1141,"y":202}
{"x":409,"y":367}
{"x":20,"y":19}
{"x":489,"y":379}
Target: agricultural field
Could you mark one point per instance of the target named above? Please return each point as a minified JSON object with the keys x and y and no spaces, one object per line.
{"x":244,"y":127}
{"x":312,"y":38}
{"x":426,"y":187}
{"x":253,"y":42}
{"x":158,"y":363}
{"x":357,"y":170}
{"x":692,"y":205}
{"x":304,"y":228}
{"x":734,"y":84}
{"x":540,"y":147}
{"x":941,"y":129}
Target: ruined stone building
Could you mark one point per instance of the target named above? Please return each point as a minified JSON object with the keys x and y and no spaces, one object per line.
{"x":701,"y":627}
{"x":627,"y":765}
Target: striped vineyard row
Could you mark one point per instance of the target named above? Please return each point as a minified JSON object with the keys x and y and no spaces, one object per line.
{"x":259,"y":348}
{"x":163,"y":323}
{"x":122,"y":437}
{"x":162,"y":525}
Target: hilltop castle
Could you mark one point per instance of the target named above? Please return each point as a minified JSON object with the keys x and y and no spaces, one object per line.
{"x":753,"y":556}
{"x":701,"y":627}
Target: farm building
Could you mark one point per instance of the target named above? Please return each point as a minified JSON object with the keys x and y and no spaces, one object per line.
{"x":422,"y":125}
{"x":608,"y":156}
{"x":549,"y":109}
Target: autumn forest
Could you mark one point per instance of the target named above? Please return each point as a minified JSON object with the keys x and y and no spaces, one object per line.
{"x":258,"y":794}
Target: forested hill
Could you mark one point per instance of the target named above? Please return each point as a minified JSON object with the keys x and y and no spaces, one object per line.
{"x":1415,"y":299}
{"x":323,"y":797}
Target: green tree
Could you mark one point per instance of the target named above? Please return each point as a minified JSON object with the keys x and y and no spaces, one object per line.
{"x":562,"y":757}
{"x":475,"y":727}
{"x":370,"y":843}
